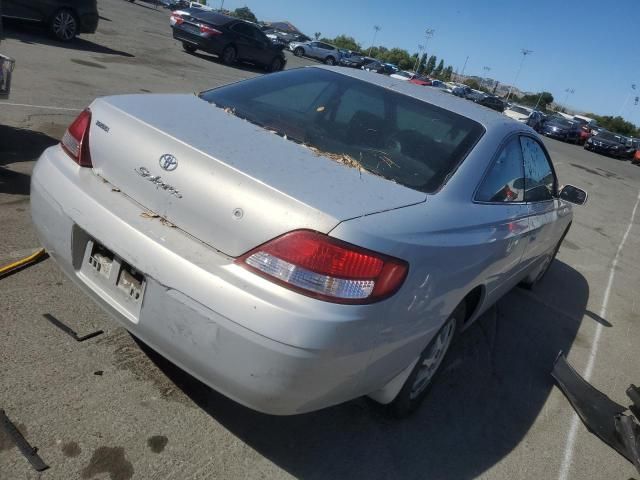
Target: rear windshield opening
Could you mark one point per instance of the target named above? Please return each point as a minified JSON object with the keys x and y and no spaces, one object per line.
{"x":402,"y":139}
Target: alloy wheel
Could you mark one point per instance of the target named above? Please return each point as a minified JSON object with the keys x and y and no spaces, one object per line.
{"x":431,"y":362}
{"x":64,"y":25}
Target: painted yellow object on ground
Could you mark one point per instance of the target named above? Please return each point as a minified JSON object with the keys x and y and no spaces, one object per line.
{"x":22,"y":262}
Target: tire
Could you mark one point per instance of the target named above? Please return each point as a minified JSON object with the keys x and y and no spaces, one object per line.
{"x":276,"y":65}
{"x":229,"y":55}
{"x":330,"y":61}
{"x":298,"y":52}
{"x":422,"y":377}
{"x":64,"y":25}
{"x":528,"y":283}
{"x":189,"y":48}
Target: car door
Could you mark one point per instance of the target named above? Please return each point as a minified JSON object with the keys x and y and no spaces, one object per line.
{"x":245,"y":41}
{"x":541,"y":195}
{"x":27,"y":9}
{"x":503,"y":218}
{"x":312,"y":50}
{"x":264,"y":51}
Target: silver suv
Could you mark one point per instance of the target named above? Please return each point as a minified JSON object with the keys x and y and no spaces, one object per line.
{"x":320,"y":50}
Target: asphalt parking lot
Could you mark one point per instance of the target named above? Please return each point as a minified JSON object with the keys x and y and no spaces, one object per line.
{"x":111,"y":408}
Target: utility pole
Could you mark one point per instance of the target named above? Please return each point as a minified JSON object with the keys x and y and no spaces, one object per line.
{"x":376,"y":29}
{"x":464,"y":66}
{"x":524,"y":52}
{"x":538,"y":102}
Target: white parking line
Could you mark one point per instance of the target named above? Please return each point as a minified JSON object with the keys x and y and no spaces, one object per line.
{"x":575,"y":421}
{"x":46,"y":107}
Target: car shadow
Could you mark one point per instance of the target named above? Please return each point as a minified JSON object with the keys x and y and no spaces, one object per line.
{"x":31,"y":33}
{"x":493,"y":386}
{"x":247,"y":67}
{"x":19,"y":145}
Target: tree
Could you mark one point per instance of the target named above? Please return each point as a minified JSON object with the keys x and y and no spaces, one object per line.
{"x":317,"y":35}
{"x":431,"y":65}
{"x":541,"y":99}
{"x":422,"y":63}
{"x":615,"y":124}
{"x":245,"y":13}
{"x":438,"y":71}
{"x":472,"y":83}
{"x":447,"y":73}
{"x":348,"y":43}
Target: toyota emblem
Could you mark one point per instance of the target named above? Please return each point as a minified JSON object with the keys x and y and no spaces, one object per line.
{"x":168,"y":162}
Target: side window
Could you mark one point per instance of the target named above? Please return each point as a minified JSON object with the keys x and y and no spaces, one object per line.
{"x":243,"y":29}
{"x":257,"y":34}
{"x":540,"y":181}
{"x":505,"y":181}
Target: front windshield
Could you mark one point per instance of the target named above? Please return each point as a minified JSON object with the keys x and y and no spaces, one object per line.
{"x":398,"y":137}
{"x":563,"y":122}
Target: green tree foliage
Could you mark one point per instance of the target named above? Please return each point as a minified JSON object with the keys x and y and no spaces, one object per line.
{"x":472,"y":83}
{"x":447,"y":73}
{"x":439,"y":69}
{"x":431,"y":65}
{"x":348,"y":43}
{"x":244,"y":13}
{"x":317,"y":35}
{"x":541,"y":99}
{"x":399,"y":57}
{"x":615,"y":124}
{"x":423,"y":62}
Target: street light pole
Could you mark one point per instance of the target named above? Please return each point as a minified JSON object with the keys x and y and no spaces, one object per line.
{"x":524,"y":52}
{"x":415,"y":66}
{"x":428,"y":33}
{"x":376,"y":29}
{"x":626,"y":100}
{"x":464,"y":66}
{"x":566,"y":97}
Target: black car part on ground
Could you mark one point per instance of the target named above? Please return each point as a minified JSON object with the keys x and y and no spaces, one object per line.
{"x":602,"y":416}
{"x":29,"y":452}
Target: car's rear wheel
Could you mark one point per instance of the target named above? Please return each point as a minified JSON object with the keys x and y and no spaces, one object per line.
{"x":421,"y":379}
{"x":188,"y":47}
{"x":276,"y":65}
{"x":298,"y":52}
{"x":330,"y":61}
{"x":64,"y":25}
{"x":229,"y":55}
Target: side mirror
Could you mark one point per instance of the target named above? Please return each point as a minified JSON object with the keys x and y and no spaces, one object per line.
{"x":573,"y":195}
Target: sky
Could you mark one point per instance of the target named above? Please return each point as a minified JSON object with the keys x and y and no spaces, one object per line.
{"x":592,"y":47}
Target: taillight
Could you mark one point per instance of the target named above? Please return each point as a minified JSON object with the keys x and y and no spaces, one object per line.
{"x":209,"y":30}
{"x":75,"y":140}
{"x":323,"y":267}
{"x":177,"y":18}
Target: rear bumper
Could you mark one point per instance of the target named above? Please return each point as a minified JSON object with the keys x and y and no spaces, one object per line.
{"x":206,"y":44}
{"x":268,"y":348}
{"x":89,"y":22}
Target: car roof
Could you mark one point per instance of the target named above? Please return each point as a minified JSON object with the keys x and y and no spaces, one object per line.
{"x":486,"y":117}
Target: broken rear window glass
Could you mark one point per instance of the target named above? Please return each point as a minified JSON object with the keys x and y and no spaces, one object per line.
{"x":398,"y":137}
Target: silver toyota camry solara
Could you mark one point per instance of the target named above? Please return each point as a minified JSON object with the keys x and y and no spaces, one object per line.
{"x":303,"y":238}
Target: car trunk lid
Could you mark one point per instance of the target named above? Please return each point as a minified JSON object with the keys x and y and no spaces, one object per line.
{"x":227,"y":182}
